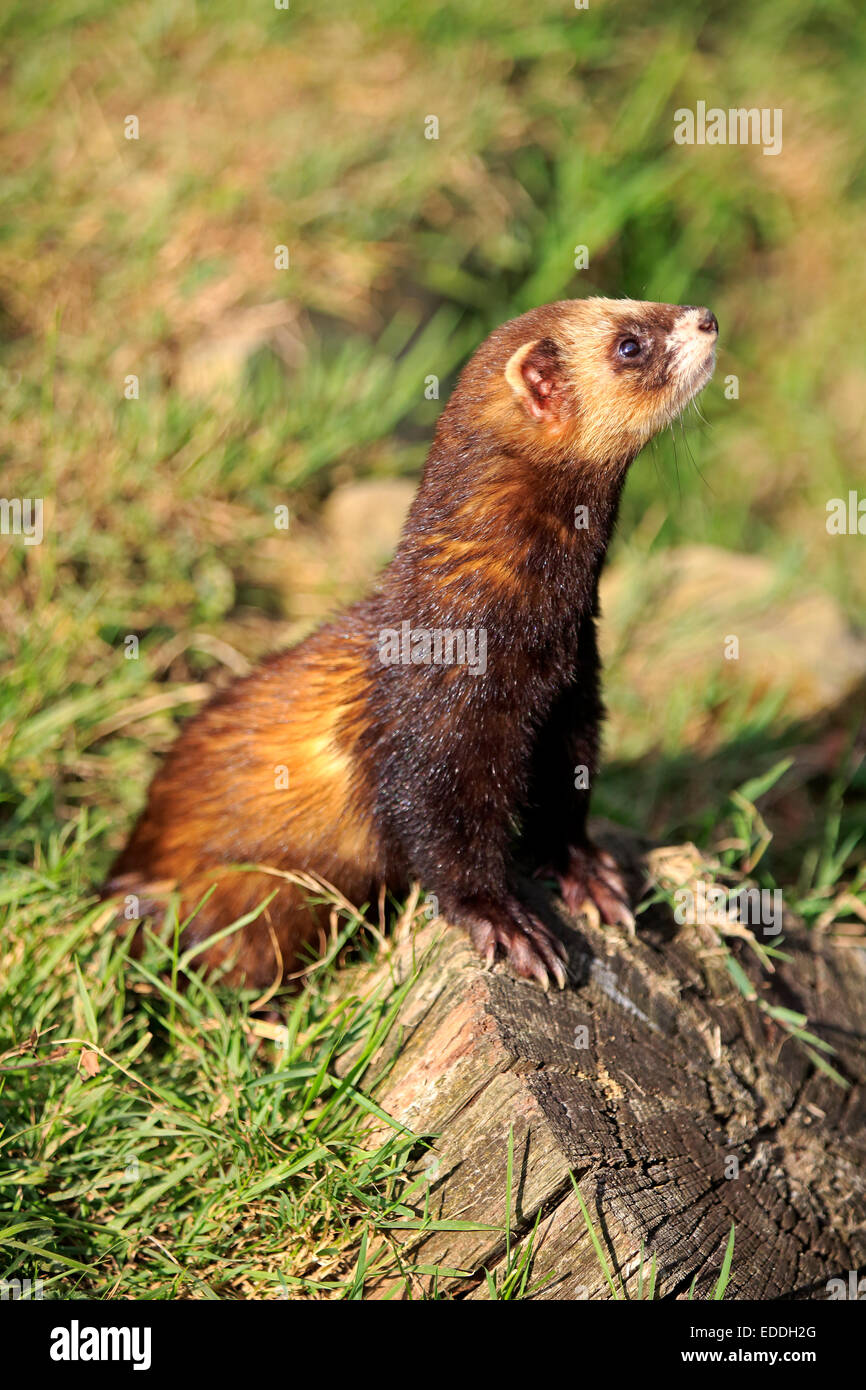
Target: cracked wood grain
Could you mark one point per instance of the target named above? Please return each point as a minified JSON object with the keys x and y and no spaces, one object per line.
{"x":651,"y":1079}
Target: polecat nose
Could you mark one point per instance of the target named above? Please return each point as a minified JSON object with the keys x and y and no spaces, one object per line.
{"x":708,"y":323}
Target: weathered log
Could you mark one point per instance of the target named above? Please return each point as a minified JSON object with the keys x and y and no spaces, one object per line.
{"x":679,"y":1104}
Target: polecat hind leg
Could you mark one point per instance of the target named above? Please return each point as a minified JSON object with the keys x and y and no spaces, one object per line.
{"x":506,"y":925}
{"x":260,"y":952}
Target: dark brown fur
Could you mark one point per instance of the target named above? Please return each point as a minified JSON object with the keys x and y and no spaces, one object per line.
{"x":402,"y":772}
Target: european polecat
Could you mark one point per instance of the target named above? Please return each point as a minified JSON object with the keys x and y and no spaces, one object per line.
{"x":430,"y":726}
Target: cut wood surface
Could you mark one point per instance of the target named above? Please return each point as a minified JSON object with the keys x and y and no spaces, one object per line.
{"x":680,"y":1106}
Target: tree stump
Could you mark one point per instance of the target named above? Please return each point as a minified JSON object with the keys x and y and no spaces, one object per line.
{"x":680,"y":1106}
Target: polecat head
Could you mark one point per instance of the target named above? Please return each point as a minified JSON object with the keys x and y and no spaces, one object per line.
{"x":591,"y":379}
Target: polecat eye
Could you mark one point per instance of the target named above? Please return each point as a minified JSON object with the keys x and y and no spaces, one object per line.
{"x":629,"y":347}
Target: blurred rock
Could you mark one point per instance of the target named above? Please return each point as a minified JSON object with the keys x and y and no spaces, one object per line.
{"x":669,"y":618}
{"x":362,"y":524}
{"x":216,"y":362}
{"x":318,"y":566}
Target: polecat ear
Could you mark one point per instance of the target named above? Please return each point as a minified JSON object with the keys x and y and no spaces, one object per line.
{"x":534,"y":374}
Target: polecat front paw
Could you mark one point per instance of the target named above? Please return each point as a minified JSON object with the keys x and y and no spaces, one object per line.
{"x":528,"y":945}
{"x":592,"y":881}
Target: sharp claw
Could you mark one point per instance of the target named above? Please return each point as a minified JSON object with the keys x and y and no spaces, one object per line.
{"x":590,"y":909}
{"x":550,"y":950}
{"x":624,"y":915}
{"x":613,"y":880}
{"x":622,"y":898}
{"x":541,"y":975}
{"x":594,"y":886}
{"x":559,"y":974}
{"x":526,"y":943}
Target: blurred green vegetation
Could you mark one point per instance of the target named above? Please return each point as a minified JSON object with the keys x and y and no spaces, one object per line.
{"x":261,"y":128}
{"x":305,"y":129}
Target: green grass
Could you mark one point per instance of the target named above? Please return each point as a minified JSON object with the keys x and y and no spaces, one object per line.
{"x":132,"y":257}
{"x":166,"y":1143}
{"x":154,"y":1145}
